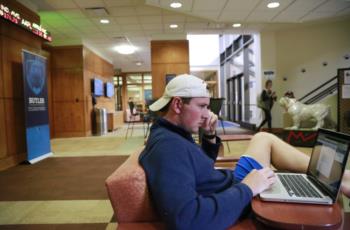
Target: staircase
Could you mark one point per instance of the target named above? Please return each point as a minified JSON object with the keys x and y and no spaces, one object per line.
{"x":330,"y":87}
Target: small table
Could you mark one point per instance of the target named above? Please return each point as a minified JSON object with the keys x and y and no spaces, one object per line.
{"x":297,"y":216}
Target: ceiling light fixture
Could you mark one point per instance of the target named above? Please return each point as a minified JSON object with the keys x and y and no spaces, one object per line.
{"x":104,"y":21}
{"x":125,"y":49}
{"x":138,"y":63}
{"x":236,"y":25}
{"x":175,"y":5}
{"x":173,"y":26}
{"x":272,"y":5}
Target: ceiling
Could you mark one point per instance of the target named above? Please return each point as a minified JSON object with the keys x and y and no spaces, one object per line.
{"x":140,"y":21}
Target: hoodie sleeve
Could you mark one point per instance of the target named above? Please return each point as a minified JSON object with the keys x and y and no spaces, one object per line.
{"x":211,"y":149}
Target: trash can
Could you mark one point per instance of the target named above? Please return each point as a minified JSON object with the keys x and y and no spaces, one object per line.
{"x":101,"y":121}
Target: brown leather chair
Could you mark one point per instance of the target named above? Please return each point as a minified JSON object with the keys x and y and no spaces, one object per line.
{"x":129,"y":196}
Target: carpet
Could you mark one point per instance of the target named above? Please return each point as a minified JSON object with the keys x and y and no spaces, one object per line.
{"x":59,"y":178}
{"x":96,"y":146}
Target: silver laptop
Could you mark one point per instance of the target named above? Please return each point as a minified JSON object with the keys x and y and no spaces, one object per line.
{"x":321,"y":183}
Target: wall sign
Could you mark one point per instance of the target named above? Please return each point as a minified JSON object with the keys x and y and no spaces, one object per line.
{"x":16,"y":18}
{"x":269,"y":74}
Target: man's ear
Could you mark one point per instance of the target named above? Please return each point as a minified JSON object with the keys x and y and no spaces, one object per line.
{"x":176,"y":105}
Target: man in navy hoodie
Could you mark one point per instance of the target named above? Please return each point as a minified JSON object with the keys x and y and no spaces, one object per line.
{"x":186,"y":189}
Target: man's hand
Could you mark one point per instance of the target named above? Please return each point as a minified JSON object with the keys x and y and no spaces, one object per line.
{"x":260,"y":180}
{"x":345,"y":184}
{"x":209,"y":125}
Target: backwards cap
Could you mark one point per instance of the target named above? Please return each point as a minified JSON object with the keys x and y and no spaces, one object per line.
{"x":184,"y":85}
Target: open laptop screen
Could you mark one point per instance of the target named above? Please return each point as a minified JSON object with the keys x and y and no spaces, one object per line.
{"x":328,"y":160}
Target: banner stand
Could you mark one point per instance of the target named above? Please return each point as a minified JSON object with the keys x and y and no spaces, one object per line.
{"x":42,"y":157}
{"x":36,"y":106}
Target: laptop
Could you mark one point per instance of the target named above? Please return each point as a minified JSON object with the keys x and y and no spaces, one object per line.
{"x":321,"y":183}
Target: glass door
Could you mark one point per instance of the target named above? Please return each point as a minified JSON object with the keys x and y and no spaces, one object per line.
{"x":235,"y":101}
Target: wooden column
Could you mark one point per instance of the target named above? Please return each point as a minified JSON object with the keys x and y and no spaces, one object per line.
{"x":68,"y":91}
{"x":73,"y":67}
{"x":168,"y":57}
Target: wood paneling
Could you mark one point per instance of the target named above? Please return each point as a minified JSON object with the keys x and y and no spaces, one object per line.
{"x":168,"y":57}
{"x":170,"y":51}
{"x":96,"y":64}
{"x":49,"y":89}
{"x":15,"y":126}
{"x":12,"y":160}
{"x":68,"y":117}
{"x":67,"y":91}
{"x":1,"y":68}
{"x":21,"y":35}
{"x":3,"y":142}
{"x":67,"y":57}
{"x":68,"y":84}
{"x":12,"y":66}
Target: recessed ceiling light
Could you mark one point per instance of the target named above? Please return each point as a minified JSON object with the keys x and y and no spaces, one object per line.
{"x":273,"y":5}
{"x":175,"y":4}
{"x":236,"y":25}
{"x":138,"y":63}
{"x":173,"y":26}
{"x":104,"y":21}
{"x":125,"y":49}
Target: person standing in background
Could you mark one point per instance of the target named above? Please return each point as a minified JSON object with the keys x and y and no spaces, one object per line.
{"x":131,"y":105}
{"x":268,"y":97}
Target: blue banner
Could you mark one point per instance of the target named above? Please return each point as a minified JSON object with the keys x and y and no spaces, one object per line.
{"x":36,"y":107}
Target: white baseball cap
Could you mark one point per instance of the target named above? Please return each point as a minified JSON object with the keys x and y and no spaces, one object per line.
{"x":184,"y":85}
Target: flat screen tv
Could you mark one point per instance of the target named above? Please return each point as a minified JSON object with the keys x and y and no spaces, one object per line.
{"x":168,"y":77}
{"x":109,"y":89}
{"x":97,"y":87}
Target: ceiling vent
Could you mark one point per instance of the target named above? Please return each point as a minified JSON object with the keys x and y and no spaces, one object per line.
{"x":97,"y":11}
{"x":216,"y":25}
{"x":120,"y":39}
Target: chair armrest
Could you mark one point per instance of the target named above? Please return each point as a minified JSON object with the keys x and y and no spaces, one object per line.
{"x":226,"y":162}
{"x":227,"y":159}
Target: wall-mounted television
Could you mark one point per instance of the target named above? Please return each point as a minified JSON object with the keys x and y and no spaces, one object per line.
{"x":109,"y":89}
{"x":97,"y":87}
{"x":169,"y":77}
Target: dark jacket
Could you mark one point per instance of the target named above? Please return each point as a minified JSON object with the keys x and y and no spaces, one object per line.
{"x":187,"y":191}
{"x":267,"y":99}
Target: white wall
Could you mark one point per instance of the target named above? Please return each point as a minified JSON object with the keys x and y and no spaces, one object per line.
{"x":204,"y":50}
{"x":204,"y":53}
{"x":306,"y":46}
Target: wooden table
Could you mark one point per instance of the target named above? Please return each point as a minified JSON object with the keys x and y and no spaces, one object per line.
{"x":297,"y":216}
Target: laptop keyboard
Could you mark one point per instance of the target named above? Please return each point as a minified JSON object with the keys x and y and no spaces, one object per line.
{"x":297,"y":185}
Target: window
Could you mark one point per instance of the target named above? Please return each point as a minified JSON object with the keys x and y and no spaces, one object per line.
{"x":238,"y":74}
{"x":118,"y":84}
{"x":139,"y":87}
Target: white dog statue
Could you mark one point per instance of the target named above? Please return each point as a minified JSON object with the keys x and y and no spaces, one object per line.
{"x":301,"y":112}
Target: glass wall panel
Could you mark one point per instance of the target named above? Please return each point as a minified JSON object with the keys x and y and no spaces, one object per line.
{"x":239,"y":69}
{"x":139,"y":88}
{"x":134,"y":79}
